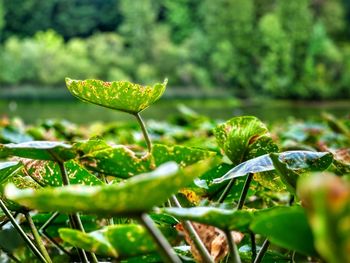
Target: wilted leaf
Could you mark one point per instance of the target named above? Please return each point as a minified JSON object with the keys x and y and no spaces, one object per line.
{"x":119,"y":95}
{"x":39,"y":150}
{"x":218,"y":217}
{"x":286,"y":227}
{"x":134,"y":196}
{"x":327,"y":202}
{"x":213,"y":239}
{"x":243,"y":138}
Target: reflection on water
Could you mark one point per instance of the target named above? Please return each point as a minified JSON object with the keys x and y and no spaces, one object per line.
{"x":80,"y":112}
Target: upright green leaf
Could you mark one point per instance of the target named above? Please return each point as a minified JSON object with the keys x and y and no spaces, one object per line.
{"x":327,"y":201}
{"x":136,"y":195}
{"x":221,"y":218}
{"x":243,"y":138}
{"x":119,"y":95}
{"x":286,"y":227}
{"x":39,"y":150}
{"x":288,"y":176}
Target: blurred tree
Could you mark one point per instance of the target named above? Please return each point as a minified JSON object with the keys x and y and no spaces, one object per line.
{"x":182,"y":17}
{"x":229,"y":28}
{"x":2,"y":17}
{"x":138,"y":26}
{"x":332,"y":14}
{"x":37,"y":15}
{"x":34,"y":14}
{"x":275,"y":71}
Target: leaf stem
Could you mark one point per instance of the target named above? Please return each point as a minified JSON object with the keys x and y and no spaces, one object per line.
{"x":37,"y":237}
{"x":235,"y":258}
{"x":21,"y":232}
{"x":226,"y":191}
{"x":244,"y":191}
{"x":42,"y":231}
{"x":262,"y":251}
{"x":144,"y":131}
{"x":166,"y":250}
{"x":74,"y":218}
{"x":187,"y":225}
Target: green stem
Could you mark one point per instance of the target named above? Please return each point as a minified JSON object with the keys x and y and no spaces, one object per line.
{"x":42,"y":231}
{"x":194,"y":236}
{"x":144,"y":131}
{"x":262,"y":251}
{"x":37,"y":237}
{"x":244,"y":191}
{"x":110,"y":221}
{"x":226,"y":191}
{"x":166,"y":251}
{"x":74,"y":218}
{"x":21,"y":232}
{"x":235,"y":258}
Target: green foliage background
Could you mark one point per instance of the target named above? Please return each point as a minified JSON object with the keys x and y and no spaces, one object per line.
{"x":296,"y":49}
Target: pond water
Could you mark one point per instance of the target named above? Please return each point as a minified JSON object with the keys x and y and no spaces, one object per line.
{"x":80,"y":112}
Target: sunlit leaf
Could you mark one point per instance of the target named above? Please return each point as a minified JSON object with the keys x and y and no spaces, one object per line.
{"x":39,"y":150}
{"x":122,"y":162}
{"x":326,"y":199}
{"x":295,"y":160}
{"x":119,"y":95}
{"x":48,"y":173}
{"x":243,"y":138}
{"x":218,"y":217}
{"x":286,"y":227}
{"x":136,"y":195}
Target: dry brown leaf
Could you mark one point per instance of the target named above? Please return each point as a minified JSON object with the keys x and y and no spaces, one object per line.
{"x":213,"y":238}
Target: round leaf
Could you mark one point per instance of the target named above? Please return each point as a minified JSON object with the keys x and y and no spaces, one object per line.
{"x":119,"y":95}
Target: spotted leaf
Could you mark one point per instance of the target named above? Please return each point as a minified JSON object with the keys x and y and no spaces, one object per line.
{"x":120,"y":95}
{"x":118,"y":199}
{"x":243,"y":138}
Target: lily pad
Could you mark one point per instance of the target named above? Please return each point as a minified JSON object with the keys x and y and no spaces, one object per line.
{"x":221,"y":218}
{"x":243,"y":138}
{"x":118,"y":199}
{"x":39,"y":150}
{"x":301,"y":161}
{"x":120,"y":95}
{"x":286,"y":227}
{"x":118,"y":241}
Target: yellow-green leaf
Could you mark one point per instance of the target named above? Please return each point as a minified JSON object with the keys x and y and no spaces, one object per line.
{"x":120,"y":95}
